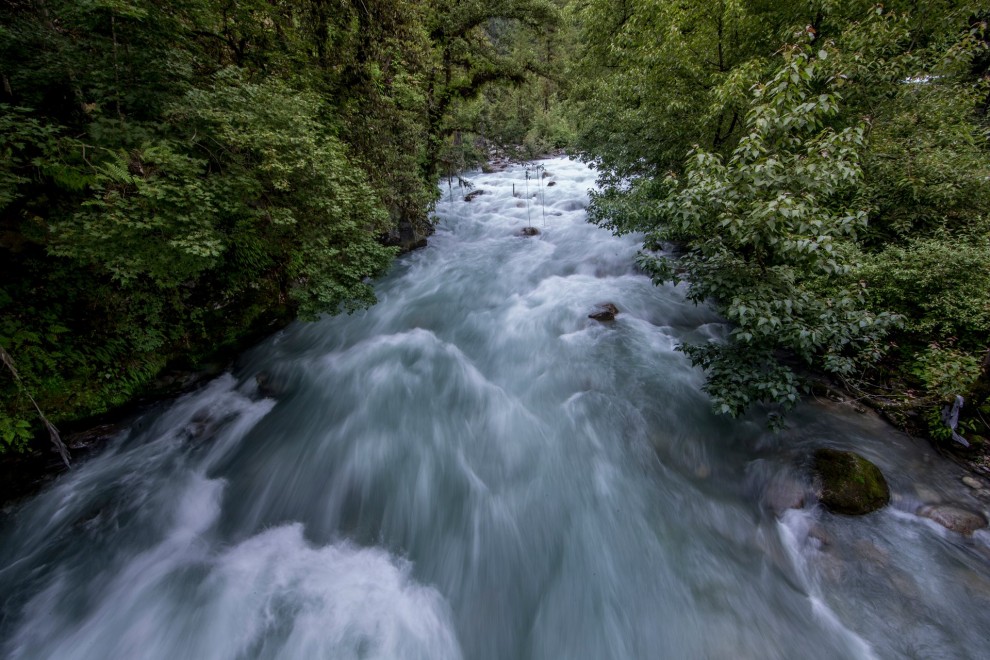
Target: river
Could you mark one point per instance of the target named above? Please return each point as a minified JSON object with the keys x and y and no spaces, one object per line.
{"x":474,"y":468}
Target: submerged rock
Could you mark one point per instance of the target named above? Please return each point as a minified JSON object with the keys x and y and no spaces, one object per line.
{"x":604,"y":312}
{"x":551,"y":184}
{"x":850,"y":484}
{"x":784,"y":493}
{"x":867,"y":550}
{"x":268,"y":386}
{"x":199,"y":424}
{"x":474,"y":194}
{"x":93,"y":436}
{"x":529,"y":231}
{"x":973,"y":483}
{"x":926,"y":494}
{"x":954,"y":518}
{"x":820,"y":534}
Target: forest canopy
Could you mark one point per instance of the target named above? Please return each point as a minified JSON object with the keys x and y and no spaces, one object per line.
{"x":822,"y":170}
{"x":180,"y":177}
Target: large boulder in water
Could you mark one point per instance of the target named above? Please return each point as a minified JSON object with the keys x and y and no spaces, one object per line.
{"x":954,"y":518}
{"x":850,"y":484}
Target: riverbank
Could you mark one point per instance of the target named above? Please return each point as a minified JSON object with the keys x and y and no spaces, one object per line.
{"x":904,"y":418}
{"x":24,"y":474}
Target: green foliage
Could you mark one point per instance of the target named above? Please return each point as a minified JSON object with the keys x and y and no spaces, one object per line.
{"x":151,"y":215}
{"x":770,"y":241}
{"x":523,"y":118}
{"x":927,"y":165}
{"x":948,"y":279}
{"x":303,"y":193}
{"x":656,"y":78}
{"x":882,"y":115}
{"x":177,"y":177}
{"x":945,"y":371}
{"x":14,"y":433}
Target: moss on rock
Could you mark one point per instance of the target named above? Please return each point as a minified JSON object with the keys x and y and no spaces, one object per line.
{"x":850,"y":484}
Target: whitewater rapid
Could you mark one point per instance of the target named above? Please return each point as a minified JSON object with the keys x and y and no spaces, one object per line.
{"x":474,"y":468}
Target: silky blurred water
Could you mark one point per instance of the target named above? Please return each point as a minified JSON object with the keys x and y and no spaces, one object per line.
{"x":475,"y":469}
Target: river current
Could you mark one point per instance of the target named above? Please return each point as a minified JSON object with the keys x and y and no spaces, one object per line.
{"x":476,"y":469}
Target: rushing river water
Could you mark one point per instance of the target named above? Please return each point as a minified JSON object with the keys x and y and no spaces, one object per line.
{"x":476,"y":469}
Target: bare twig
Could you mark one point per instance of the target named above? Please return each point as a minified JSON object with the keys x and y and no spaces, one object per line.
{"x":60,"y":447}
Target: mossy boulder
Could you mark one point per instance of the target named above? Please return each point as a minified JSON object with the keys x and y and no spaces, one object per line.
{"x":850,"y":484}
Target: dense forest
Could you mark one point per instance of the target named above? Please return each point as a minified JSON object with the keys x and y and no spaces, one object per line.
{"x":178,"y":178}
{"x":823,"y":171}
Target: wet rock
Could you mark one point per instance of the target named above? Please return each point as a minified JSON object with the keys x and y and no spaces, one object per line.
{"x":954,"y":518}
{"x":868,"y":551}
{"x":927,"y":495}
{"x":784,"y":493}
{"x":820,"y":534}
{"x":832,"y":569}
{"x":474,"y":194}
{"x":92,"y":436}
{"x":972,"y":482}
{"x":550,"y":184}
{"x":529,"y":231}
{"x":268,"y":387}
{"x":604,"y":312}
{"x":199,"y":424}
{"x":496,"y":163}
{"x":850,"y":484}
{"x":405,"y":239}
